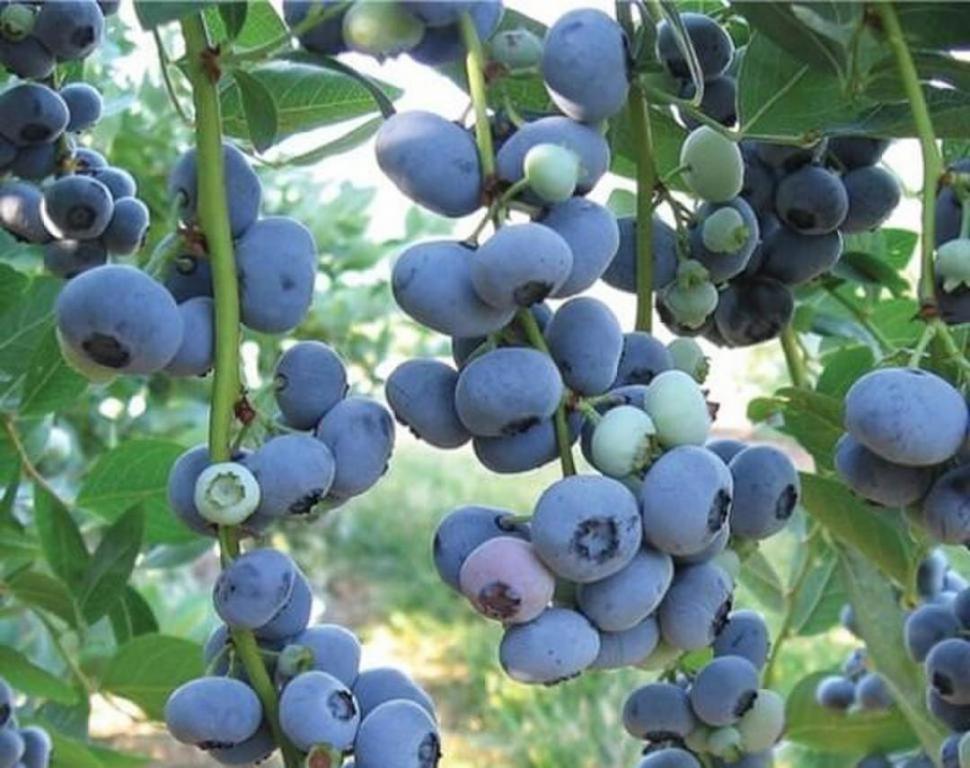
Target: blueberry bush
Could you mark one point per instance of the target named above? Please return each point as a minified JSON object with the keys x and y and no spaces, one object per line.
{"x":195,"y":341}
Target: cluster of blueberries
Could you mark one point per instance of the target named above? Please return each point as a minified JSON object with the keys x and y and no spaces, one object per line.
{"x":720,"y":711}
{"x":906,"y":444}
{"x":953,"y":248}
{"x":328,"y":708}
{"x":27,"y":747}
{"x":65,"y":198}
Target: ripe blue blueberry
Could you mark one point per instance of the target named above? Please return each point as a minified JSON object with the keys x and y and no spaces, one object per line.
{"x":256,"y":749}
{"x":32,"y":113}
{"x":766,"y":491}
{"x":669,"y":757}
{"x":84,"y":103}
{"x":422,"y":395}
{"x":726,"y":448}
{"x":873,"y":194}
{"x":745,"y":635}
{"x":118,"y":181}
{"x":310,"y":379}
{"x":724,"y":690}
{"x":593,"y":236}
{"x":326,"y":36}
{"x":294,"y":472}
{"x":623,"y":600}
{"x":955,"y":716}
{"x":948,"y":671}
{"x":27,"y":58}
{"x":857,"y":151}
{"x":461,"y":532}
{"x":719,"y":101}
{"x":70,"y":29}
{"x":878,"y":480}
{"x":642,"y":359}
{"x":128,"y":226}
{"x":659,"y":712}
{"x":752,"y":311}
{"x":586,"y":341}
{"x":380,"y":685}
{"x":254,"y":588}
{"x":38,"y":747}
{"x":710,"y":41}
{"x":293,"y":617}
{"x":927,"y":626}
{"x":696,"y":607}
{"x":360,"y":434}
{"x":76,"y":207}
{"x":554,"y":647}
{"x":333,"y":649}
{"x":316,"y":708}
{"x":835,"y":692}
{"x":946,"y":508}
{"x":785,"y":158}
{"x":213,"y":712}
{"x":20,"y":204}
{"x":872,"y":693}
{"x":622,"y":271}
{"x":11,"y":748}
{"x":187,"y":276}
{"x":443,"y":43}
{"x":398,"y":734}
{"x":812,"y":200}
{"x":629,"y":648}
{"x":69,"y":258}
{"x":195,"y":353}
{"x":759,"y":179}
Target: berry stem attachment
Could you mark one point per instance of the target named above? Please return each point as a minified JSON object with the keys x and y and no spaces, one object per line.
{"x":929,"y":332}
{"x":793,"y":358}
{"x":475,"y":69}
{"x":214,"y":222}
{"x":932,"y":160}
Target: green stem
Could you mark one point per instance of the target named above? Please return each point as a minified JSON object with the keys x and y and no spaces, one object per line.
{"x":214,"y":223}
{"x":13,"y":434}
{"x":163,"y":64}
{"x":924,"y":341}
{"x":793,"y":358}
{"x":646,"y":183}
{"x":953,"y":350}
{"x":475,"y":69}
{"x":534,"y":334}
{"x":932,"y":160}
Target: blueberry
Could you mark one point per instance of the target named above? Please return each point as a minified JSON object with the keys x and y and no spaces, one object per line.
{"x":27,"y":58}
{"x":753,"y":310}
{"x":213,"y":713}
{"x":710,"y":41}
{"x":593,"y":236}
{"x":762,"y":725}
{"x":946,"y":508}
{"x":11,"y":748}
{"x":381,"y":685}
{"x":87,"y":160}
{"x":786,"y":158}
{"x":872,"y":693}
{"x":325,"y":37}
{"x":551,"y":172}
{"x":69,"y":258}
{"x":523,"y":451}
{"x":310,"y":379}
{"x":836,"y":693}
{"x":873,"y":194}
{"x":874,"y":761}
{"x":623,"y":442}
{"x":243,"y":189}
{"x":398,"y":734}
{"x":84,"y":103}
{"x":254,"y":588}
{"x":955,"y":716}
{"x":187,"y":276}
{"x":276,"y":261}
{"x":432,"y":282}
{"x":906,"y":416}
{"x":294,"y":472}
{"x":443,"y":43}
{"x":70,"y":29}
{"x":719,"y":101}
{"x":520,"y":265}
{"x":360,"y":435}
{"x":766,"y":491}
{"x":461,"y":531}
{"x":332,"y":649}
{"x":505,"y":580}
{"x":316,"y":708}
{"x":584,"y":65}
{"x":38,"y":747}
{"x":628,"y":648}
{"x":6,"y":703}
{"x":253,"y":750}
{"x":954,"y":306}
{"x":726,"y":448}
{"x":38,"y":162}
{"x":32,"y":113}
{"x":118,"y":181}
{"x":76,"y":207}
{"x":623,"y":600}
{"x":857,"y":151}
{"x":855,"y":664}
{"x":195,"y":354}
{"x":181,"y":489}
{"x":554,"y":647}
{"x":622,"y":271}
{"x":696,"y":607}
{"x":643,"y":358}
{"x":588,"y":144}
{"x":138,"y":331}
{"x":422,"y":395}
{"x":927,"y":626}
{"x":678,"y":408}
{"x":714,"y":167}
{"x":949,"y":211}
{"x":717,"y":552}
{"x":436,"y":13}
{"x":961,"y":607}
{"x":847,"y":619}
{"x":724,"y":690}
{"x":659,"y":712}
{"x":20,"y":205}
{"x":686,"y":500}
{"x":586,"y":527}
{"x":669,"y":757}
{"x":293,"y":617}
{"x":506,"y":391}
{"x":878,"y":480}
{"x":759,"y":179}
{"x":128,"y":226}
{"x":725,"y":252}
{"x":745,"y":635}
{"x":948,"y":671}
{"x":950,"y":751}
{"x":586,"y":341}
{"x":432,"y":161}
{"x":381,"y":29}
{"x":812,"y":200}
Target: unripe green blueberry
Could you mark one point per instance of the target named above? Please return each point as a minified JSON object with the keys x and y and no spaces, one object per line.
{"x":724,"y":742}
{"x":552,"y":172}
{"x":516,"y":49}
{"x":293,"y":660}
{"x":689,"y":358}
{"x":226,"y":493}
{"x":724,"y":231}
{"x":696,"y":740}
{"x":679,"y":411}
{"x":692,"y":297}
{"x":729,"y":562}
{"x":963,"y":750}
{"x":953,"y":264}
{"x":623,"y":441}
{"x":762,"y":725}
{"x":714,"y":167}
{"x":381,"y":29}
{"x":16,"y":21}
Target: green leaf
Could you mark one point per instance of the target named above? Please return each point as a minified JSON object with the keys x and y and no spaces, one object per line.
{"x":12,"y":284}
{"x":60,"y":539}
{"x":855,"y":733}
{"x":668,"y":136}
{"x":842,"y":368}
{"x":131,"y":616}
{"x":814,"y":419}
{"x":348,"y":141}
{"x":878,"y":534}
{"x":953,"y":150}
{"x":898,"y":319}
{"x":39,"y":591}
{"x":935,"y":24}
{"x":110,"y":758}
{"x":305,"y":97}
{"x":818,"y":601}
{"x":111,"y":565}
{"x":135,"y":474}
{"x":31,"y":680}
{"x":233,"y":15}
{"x":147,"y":669}
{"x":152,"y":13}
{"x":880,"y":623}
{"x":260,"y":110}
{"x":622,"y":202}
{"x":22,"y":327}
{"x":50,"y":384}
{"x":71,"y":753}
{"x":761,"y":579}
{"x":262,"y":25}
{"x":862,"y":267}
